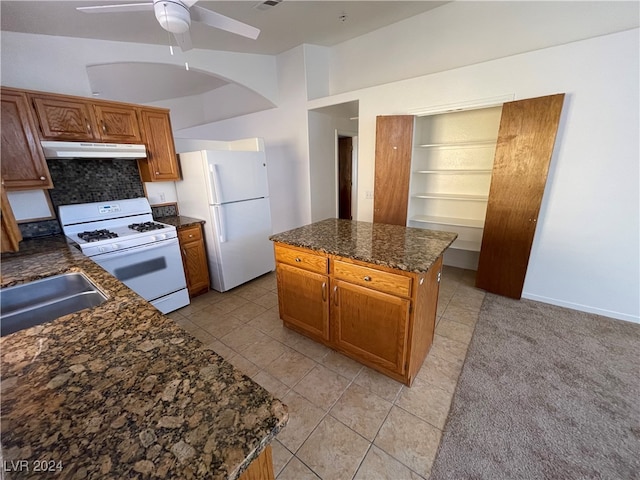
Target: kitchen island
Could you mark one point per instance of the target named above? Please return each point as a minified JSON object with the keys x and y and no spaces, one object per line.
{"x":121,"y":391}
{"x":368,"y":290}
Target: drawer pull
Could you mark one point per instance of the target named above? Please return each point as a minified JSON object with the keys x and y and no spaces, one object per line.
{"x":367,"y":278}
{"x":324,"y":291}
{"x":191,"y":235}
{"x":298,"y":259}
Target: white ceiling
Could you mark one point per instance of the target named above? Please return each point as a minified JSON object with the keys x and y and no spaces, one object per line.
{"x":283,"y":27}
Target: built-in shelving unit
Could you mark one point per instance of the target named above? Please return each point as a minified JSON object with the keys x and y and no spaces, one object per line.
{"x":451,"y":169}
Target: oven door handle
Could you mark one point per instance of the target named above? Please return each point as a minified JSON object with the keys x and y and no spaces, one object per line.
{"x":133,"y":250}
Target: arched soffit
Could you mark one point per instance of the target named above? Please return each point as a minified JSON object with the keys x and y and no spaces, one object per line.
{"x":147,"y":82}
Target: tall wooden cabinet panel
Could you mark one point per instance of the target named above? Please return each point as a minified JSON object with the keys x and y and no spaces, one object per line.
{"x":161,"y":164}
{"x":23,"y":162}
{"x":117,"y":123}
{"x":525,"y":144}
{"x":394,"y":136}
{"x":371,"y":325}
{"x":65,"y":118}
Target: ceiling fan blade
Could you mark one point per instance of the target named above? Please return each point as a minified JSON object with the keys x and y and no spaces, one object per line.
{"x":222,"y":22}
{"x":129,"y":7}
{"x":183,"y":40}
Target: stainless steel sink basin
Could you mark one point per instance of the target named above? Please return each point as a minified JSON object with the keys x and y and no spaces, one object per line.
{"x":40,"y":301}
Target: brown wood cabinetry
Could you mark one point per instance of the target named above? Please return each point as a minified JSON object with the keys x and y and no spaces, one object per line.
{"x":117,"y":123}
{"x":382,"y":317}
{"x":194,"y":259}
{"x":23,"y":163}
{"x":161,"y":164}
{"x":66,"y":118}
{"x":77,"y":119}
{"x":11,"y":235}
{"x":261,"y":468}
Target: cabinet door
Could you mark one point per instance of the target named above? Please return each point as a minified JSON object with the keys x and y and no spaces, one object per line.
{"x":194,"y":259}
{"x":302,"y":299}
{"x":117,"y":123}
{"x":23,"y":163}
{"x":161,"y":163}
{"x":525,"y":144}
{"x":65,"y":119}
{"x":11,"y":235}
{"x":394,"y":145}
{"x":372,"y":326}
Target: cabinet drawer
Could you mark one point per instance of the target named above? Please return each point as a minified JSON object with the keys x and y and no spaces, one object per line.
{"x":302,"y":259}
{"x":190,"y":234}
{"x":372,"y":278}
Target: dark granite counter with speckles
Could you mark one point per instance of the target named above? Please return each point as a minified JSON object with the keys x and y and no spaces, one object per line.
{"x":120,"y":390}
{"x":394,"y":246}
{"x":180,"y":221}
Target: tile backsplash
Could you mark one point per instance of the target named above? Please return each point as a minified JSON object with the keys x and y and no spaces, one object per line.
{"x":83,"y":181}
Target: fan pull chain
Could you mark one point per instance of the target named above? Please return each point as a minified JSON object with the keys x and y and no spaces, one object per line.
{"x":168,"y":33}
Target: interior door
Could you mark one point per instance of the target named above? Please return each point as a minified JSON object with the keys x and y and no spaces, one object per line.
{"x":525,"y":144}
{"x":345,"y":160}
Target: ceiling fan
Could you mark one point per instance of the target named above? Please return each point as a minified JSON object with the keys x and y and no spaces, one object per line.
{"x":175,"y":16}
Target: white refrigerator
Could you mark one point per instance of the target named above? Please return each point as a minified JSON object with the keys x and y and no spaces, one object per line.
{"x":229,"y":190}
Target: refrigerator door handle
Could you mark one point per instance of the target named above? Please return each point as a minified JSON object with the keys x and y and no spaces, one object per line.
{"x":214,"y":182}
{"x":220,"y":223}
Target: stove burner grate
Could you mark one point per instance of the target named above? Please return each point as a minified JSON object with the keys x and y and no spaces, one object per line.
{"x":97,"y":235}
{"x":146,"y":226}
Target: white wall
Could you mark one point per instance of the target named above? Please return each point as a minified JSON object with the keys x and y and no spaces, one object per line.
{"x":465,"y":33}
{"x":585,"y":254}
{"x":286,"y":143}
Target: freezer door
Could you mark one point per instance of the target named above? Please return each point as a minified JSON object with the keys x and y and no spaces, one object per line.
{"x":237,"y":176}
{"x":244,"y":252}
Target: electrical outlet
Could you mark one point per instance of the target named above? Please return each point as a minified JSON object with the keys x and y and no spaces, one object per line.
{"x":369,"y":195}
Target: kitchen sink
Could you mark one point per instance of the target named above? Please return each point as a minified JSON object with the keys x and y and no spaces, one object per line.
{"x":40,"y":301}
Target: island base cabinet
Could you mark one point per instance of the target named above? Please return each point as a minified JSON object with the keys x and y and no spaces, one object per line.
{"x":261,"y":468}
{"x":372,"y":326}
{"x":379,"y":316}
{"x":302,"y":299}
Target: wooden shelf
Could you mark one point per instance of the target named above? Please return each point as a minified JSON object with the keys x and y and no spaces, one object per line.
{"x":472,"y":144}
{"x":458,"y":222}
{"x":451,"y":196}
{"x":455,"y":171}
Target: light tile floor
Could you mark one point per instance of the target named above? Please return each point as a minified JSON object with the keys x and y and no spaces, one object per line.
{"x":346,"y":421}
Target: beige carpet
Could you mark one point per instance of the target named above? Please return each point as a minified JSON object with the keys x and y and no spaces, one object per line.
{"x":545,"y":393}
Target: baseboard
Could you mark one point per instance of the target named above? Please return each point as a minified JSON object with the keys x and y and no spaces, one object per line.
{"x":583,"y":308}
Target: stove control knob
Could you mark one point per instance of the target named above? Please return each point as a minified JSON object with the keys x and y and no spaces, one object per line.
{"x":114,"y":246}
{"x":153,"y":238}
{"x":162,"y":236}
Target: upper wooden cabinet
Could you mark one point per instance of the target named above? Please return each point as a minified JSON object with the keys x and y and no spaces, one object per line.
{"x":161,"y":164}
{"x":23,"y":163}
{"x":75,"y":119}
{"x":117,"y":123}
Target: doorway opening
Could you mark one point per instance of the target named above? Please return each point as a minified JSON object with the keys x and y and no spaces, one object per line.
{"x":346,"y":168}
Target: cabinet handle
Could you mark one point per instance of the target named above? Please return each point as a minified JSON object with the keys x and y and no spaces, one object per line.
{"x":184,"y":253}
{"x":324,"y":291}
{"x":335,"y":295}
{"x":43,"y":178}
{"x":104,"y":127}
{"x":298,"y":259}
{"x":191,"y":235}
{"x":367,"y":278}
{"x":88,"y":125}
{"x":157,"y":173}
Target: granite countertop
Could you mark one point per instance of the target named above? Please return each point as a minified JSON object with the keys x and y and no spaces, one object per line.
{"x":394,"y":246}
{"x":180,"y":221}
{"x":122,"y":391}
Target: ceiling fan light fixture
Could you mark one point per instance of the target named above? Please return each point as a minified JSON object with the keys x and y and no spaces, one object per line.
{"x":173,"y":16}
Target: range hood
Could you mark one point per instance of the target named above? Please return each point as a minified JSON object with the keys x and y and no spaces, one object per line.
{"x":92,"y":150}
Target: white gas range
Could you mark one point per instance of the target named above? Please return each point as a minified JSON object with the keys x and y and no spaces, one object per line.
{"x":122,"y":237}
